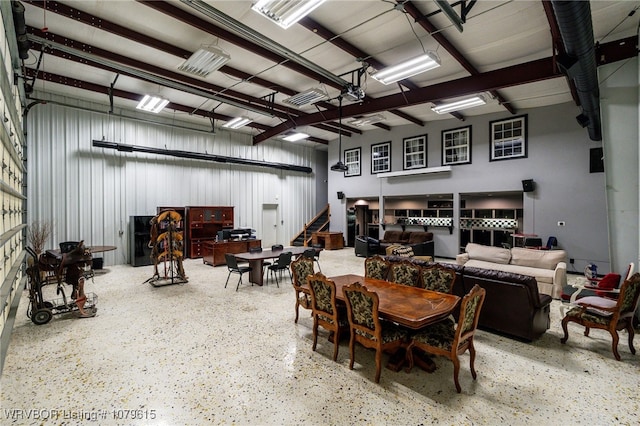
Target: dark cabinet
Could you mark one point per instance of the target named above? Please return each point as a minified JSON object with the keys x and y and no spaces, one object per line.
{"x":203,"y":224}
{"x":140,"y":236}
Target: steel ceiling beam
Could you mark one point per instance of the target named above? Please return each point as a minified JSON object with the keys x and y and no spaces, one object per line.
{"x":529,"y":72}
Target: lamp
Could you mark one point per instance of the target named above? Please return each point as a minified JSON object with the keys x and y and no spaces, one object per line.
{"x":285,"y":13}
{"x":458,"y":105}
{"x":205,"y":60}
{"x":367,"y":119}
{"x":340,"y":166}
{"x":237,"y":122}
{"x":425,"y":62}
{"x":294,"y":137}
{"x":307,"y":97}
{"x":152,"y":103}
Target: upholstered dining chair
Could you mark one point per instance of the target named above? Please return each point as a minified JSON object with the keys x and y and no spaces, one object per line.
{"x":607,"y":314}
{"x":325,"y":310}
{"x":438,"y":278}
{"x":234,"y":268}
{"x":301,"y":268}
{"x":281,"y":264}
{"x":446,"y":339}
{"x":366,"y":327}
{"x":376,"y":267}
{"x":405,"y":273}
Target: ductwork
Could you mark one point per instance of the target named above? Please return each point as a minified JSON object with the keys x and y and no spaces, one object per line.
{"x":579,"y":63}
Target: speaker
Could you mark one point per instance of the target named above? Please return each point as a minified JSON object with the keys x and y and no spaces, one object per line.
{"x":340,"y":195}
{"x":528,"y":185}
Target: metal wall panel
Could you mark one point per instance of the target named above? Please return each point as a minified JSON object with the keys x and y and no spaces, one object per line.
{"x":89,"y":192}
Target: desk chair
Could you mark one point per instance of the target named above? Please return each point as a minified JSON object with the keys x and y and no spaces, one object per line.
{"x":234,"y":268}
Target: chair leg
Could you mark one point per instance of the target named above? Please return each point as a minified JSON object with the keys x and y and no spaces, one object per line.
{"x":239,"y":282}
{"x":315,"y":333}
{"x":456,"y":372}
{"x":565,"y":321}
{"x":614,"y":344}
{"x":225,"y":284}
{"x":336,"y":343}
{"x":472,"y":359}
{"x":352,"y":349}
{"x":378,"y":364}
{"x":631,"y":334}
{"x":297,"y":306}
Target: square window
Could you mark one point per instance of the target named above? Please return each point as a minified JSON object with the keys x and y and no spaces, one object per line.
{"x":352,"y":161}
{"x":381,"y":157}
{"x":456,"y":146}
{"x":415,"y":152}
{"x":508,"y":138}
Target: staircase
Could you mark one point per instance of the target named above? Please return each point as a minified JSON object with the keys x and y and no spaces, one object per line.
{"x":319,"y":223}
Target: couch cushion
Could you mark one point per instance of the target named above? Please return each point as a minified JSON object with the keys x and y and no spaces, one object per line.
{"x":420,"y":237}
{"x":541,"y":275}
{"x":392,"y":236}
{"x":488,"y":253}
{"x":547,"y":259}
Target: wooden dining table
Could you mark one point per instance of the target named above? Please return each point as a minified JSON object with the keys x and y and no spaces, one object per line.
{"x":411,"y":307}
{"x":256,"y":260}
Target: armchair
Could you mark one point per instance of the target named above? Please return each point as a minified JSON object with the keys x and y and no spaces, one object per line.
{"x":366,"y":246}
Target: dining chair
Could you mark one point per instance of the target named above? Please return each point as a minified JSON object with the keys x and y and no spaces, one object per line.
{"x":438,"y":278}
{"x":234,"y":268}
{"x":607,"y":314}
{"x":366,"y":327}
{"x":314,"y":255}
{"x":325,"y":311}
{"x":376,"y":267}
{"x":405,"y":273}
{"x":445,"y":339}
{"x":281,"y":264}
{"x":301,"y":268}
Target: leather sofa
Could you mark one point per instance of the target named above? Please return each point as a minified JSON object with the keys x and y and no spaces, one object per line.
{"x":513,"y":306}
{"x":366,"y":246}
{"x":549,"y":267}
{"x":421,"y":242}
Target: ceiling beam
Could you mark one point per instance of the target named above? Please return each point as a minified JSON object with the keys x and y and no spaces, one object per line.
{"x":529,"y":72}
{"x":424,"y":22}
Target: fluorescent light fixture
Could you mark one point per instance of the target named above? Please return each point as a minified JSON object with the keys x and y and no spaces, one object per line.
{"x":408,"y":68}
{"x":458,"y":105}
{"x":237,"y":122}
{"x":286,"y":12}
{"x":295,"y":137}
{"x":307,"y":97}
{"x":204,"y":61}
{"x":367,"y":119}
{"x":152,"y":103}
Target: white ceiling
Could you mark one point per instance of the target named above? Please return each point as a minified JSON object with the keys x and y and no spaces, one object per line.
{"x":497,"y":34}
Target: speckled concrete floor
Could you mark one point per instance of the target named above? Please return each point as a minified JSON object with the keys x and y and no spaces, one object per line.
{"x":199,"y":354}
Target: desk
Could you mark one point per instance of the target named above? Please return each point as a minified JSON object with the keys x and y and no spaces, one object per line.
{"x":411,"y":307}
{"x":328,"y":240}
{"x":256,"y":260}
{"x":213,"y":252}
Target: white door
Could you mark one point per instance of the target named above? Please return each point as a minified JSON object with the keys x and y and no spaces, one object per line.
{"x":269,"y":232}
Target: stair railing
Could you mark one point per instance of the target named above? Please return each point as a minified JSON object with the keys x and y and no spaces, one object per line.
{"x":305,"y":231}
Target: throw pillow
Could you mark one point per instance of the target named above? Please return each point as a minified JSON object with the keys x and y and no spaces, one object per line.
{"x":608,"y":282}
{"x":402,"y":251}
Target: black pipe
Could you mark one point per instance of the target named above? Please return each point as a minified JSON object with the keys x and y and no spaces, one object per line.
{"x":576,"y":29}
{"x":197,"y":156}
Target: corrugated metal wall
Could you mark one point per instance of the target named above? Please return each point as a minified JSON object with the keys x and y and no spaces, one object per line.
{"x":89,"y":193}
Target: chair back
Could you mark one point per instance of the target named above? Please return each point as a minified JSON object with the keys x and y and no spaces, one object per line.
{"x":551,"y":243}
{"x":68,"y":246}
{"x":629,"y":270}
{"x":255,"y":249}
{"x":405,"y":273}
{"x":277,"y":247}
{"x":232,"y":262}
{"x":469,"y":314}
{"x":362,"y":311}
{"x":309,"y":253}
{"x":284,"y":259}
{"x":323,"y":297}
{"x":301,"y":268}
{"x":628,"y":298}
{"x":376,"y":267}
{"x":438,"y":278}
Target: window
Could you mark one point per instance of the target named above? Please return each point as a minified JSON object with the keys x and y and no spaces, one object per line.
{"x":456,"y":146}
{"x":352,"y":161}
{"x":509,"y":138}
{"x":415,"y":152}
{"x":381,"y":157}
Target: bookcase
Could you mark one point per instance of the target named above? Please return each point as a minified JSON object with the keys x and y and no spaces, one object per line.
{"x":203,"y":224}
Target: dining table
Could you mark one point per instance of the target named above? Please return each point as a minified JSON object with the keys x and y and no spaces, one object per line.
{"x":256,"y":260}
{"x":411,"y":307}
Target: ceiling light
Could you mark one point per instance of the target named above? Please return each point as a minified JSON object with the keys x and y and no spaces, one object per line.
{"x":285,"y":12}
{"x":237,"y":122}
{"x":307,"y":97}
{"x":204,"y":61}
{"x":369,"y":119}
{"x":295,"y":137}
{"x":152,"y":103}
{"x":458,"y":105}
{"x":340,"y":166}
{"x":408,"y":68}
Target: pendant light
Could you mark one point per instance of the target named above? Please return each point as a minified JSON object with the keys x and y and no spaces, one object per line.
{"x":339,"y":166}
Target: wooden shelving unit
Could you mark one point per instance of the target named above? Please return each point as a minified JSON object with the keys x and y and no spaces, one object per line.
{"x":203,"y":224}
